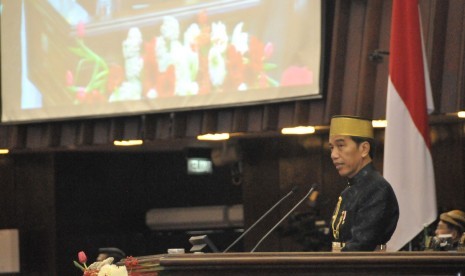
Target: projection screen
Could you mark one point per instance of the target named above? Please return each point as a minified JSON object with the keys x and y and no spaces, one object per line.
{"x":65,"y":59}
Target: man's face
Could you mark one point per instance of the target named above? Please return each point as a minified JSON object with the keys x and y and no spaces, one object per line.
{"x":442,"y":229}
{"x":347,"y":156}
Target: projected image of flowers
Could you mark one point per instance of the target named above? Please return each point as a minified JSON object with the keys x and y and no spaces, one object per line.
{"x":82,"y":58}
{"x":203,"y":59}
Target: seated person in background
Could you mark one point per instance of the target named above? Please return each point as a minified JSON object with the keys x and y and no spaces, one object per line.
{"x":450,"y":229}
{"x":107,"y":252}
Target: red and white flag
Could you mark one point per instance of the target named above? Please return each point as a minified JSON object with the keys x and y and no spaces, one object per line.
{"x":408,"y":164}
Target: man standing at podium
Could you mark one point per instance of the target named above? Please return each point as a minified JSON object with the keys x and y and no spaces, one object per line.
{"x":367,"y":212}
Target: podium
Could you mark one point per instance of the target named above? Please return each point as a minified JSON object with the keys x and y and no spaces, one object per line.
{"x":304,"y":263}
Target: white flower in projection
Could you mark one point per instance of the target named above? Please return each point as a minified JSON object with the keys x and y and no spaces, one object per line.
{"x":216,"y":61}
{"x":239,"y":39}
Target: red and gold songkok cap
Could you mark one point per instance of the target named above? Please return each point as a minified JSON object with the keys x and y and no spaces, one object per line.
{"x":351,"y":126}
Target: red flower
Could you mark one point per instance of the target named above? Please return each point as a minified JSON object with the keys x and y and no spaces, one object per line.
{"x":82,"y":257}
{"x":150,"y":71}
{"x":97,"y":96}
{"x":268,"y":50}
{"x":131,"y":262}
{"x":203,"y":18}
{"x":166,"y":82}
{"x":90,"y":273}
{"x":235,"y":67}
{"x":257,"y":54}
{"x":81,"y":96}
{"x":69,"y":78}
{"x":81,"y":29}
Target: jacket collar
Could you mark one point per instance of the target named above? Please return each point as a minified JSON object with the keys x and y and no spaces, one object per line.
{"x":358,"y":178}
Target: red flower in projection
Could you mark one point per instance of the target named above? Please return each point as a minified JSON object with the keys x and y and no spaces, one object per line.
{"x":81,"y":29}
{"x":81,"y":94}
{"x":236,"y":67}
{"x":97,"y":96}
{"x":69,"y":78}
{"x":78,"y":83}
{"x":151,"y":72}
{"x":257,"y":53}
{"x":296,"y":75}
{"x":166,"y":82}
{"x":268,"y":51}
{"x":202,"y":18}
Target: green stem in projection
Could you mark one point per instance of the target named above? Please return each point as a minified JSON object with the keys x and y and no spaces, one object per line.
{"x":100,"y":70}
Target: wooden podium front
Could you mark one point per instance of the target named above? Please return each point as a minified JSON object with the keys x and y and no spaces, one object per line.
{"x":303,"y":263}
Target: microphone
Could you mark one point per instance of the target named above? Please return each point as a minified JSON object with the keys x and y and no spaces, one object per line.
{"x":314,"y":186}
{"x":261,"y":218}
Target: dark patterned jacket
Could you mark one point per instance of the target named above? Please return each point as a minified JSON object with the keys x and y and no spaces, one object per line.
{"x":367,"y":212}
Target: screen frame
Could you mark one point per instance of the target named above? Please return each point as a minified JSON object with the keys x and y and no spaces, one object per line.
{"x":323,"y":77}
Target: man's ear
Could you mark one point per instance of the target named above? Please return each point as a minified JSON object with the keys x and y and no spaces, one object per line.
{"x":365,"y":147}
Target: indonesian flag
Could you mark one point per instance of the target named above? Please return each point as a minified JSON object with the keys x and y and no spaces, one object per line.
{"x":408,"y":164}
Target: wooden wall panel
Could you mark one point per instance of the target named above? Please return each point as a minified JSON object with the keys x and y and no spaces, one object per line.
{"x":9,"y":137}
{"x":193,"y":124}
{"x":301,"y":113}
{"x":68,"y":134}
{"x":353,"y":58}
{"x":42,"y":136}
{"x":261,"y":191}
{"x":34,"y":211}
{"x":285,"y":115}
{"x":129,"y":128}
{"x":381,"y":70}
{"x":452,"y":78}
{"x":7,"y":200}
{"x":435,"y":41}
{"x":150,"y":127}
{"x":163,"y":129}
{"x":370,"y":41}
{"x":448,"y":159}
{"x":225,"y":121}
{"x":101,"y":132}
{"x":240,"y":118}
{"x":339,"y":41}
{"x":270,"y":117}
{"x":85,"y":133}
{"x":255,"y":119}
{"x":316,"y":111}
{"x":209,"y":121}
{"x":179,"y":125}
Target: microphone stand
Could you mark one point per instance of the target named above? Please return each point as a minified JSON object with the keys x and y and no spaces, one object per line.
{"x":261,"y":218}
{"x":279,"y":222}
